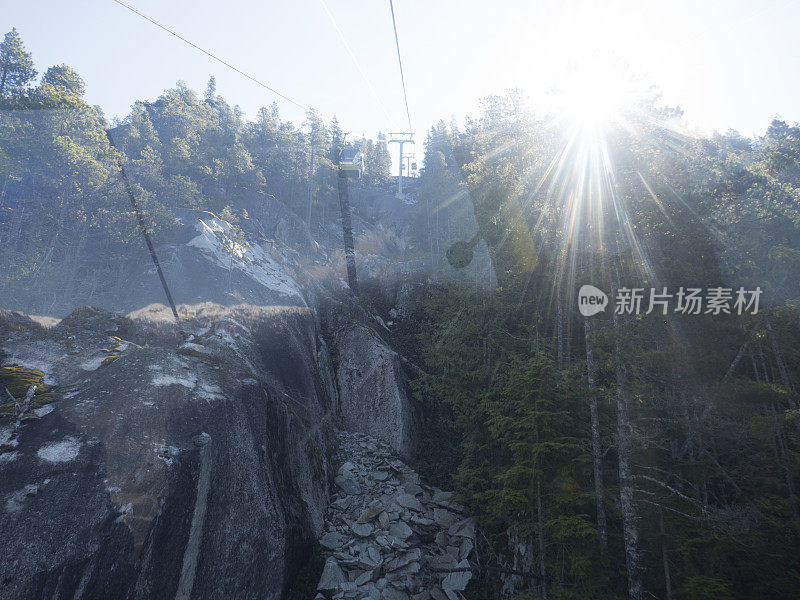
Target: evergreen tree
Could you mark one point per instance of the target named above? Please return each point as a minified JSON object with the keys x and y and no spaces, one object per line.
{"x":65,"y":77}
{"x":16,"y":66}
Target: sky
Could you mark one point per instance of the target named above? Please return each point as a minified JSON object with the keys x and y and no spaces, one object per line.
{"x":728,"y":64}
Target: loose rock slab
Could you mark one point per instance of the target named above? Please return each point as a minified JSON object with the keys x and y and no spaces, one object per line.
{"x":332,"y":576}
{"x":388,"y":535}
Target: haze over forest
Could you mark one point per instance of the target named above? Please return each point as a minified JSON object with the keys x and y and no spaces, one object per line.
{"x":447,"y":424}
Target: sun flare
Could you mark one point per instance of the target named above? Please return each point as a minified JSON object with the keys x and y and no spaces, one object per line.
{"x":594,"y":94}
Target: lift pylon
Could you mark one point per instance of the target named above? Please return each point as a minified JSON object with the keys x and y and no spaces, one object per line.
{"x":347,"y":230}
{"x":403,"y":137}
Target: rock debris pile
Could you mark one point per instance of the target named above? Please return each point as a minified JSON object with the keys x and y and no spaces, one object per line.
{"x":388,"y":536}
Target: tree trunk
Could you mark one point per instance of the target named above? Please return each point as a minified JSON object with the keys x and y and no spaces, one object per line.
{"x":559,"y":331}
{"x":347,"y":232}
{"x":664,"y":557}
{"x":310,"y":188}
{"x":736,"y":360}
{"x":627,"y":507}
{"x":756,"y":374}
{"x":782,"y":371}
{"x":597,"y":450}
{"x":787,"y":470}
{"x":540,"y":525}
{"x":763,"y":363}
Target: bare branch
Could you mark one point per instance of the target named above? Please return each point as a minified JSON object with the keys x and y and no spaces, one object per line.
{"x":671,"y":489}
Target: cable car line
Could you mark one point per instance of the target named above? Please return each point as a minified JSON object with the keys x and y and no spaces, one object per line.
{"x":348,"y":166}
{"x":400,"y":62}
{"x":215,"y":57}
{"x":355,"y":61}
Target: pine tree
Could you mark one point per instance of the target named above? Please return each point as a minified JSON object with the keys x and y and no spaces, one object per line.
{"x":16,"y":65}
{"x":65,"y":77}
{"x":211,"y":91}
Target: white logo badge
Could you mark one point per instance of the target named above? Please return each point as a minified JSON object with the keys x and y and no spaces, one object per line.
{"x":591,"y":300}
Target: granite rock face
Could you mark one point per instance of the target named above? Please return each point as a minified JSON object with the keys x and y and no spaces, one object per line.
{"x":173,"y":463}
{"x":203,"y":259}
{"x":372,"y":389}
{"x":192,"y":461}
{"x":383,"y":540}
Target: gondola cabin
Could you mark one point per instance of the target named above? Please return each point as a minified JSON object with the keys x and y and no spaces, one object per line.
{"x":351,"y":162}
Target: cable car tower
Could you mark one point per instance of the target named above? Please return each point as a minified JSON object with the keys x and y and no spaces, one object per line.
{"x":350,"y":164}
{"x":405,"y":137}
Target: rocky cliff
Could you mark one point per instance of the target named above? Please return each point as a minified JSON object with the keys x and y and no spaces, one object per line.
{"x":169,"y":464}
{"x":372,"y":393}
{"x":144,"y":459}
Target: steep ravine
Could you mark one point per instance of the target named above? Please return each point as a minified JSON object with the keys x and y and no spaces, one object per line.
{"x":197,"y":462}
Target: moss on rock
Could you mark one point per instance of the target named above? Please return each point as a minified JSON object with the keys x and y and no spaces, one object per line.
{"x":18,"y":380}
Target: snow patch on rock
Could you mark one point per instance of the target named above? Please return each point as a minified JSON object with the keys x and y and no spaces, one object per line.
{"x":39,"y":355}
{"x":218,"y":241}
{"x":187,"y":381}
{"x":92,"y":364}
{"x":210,"y":392}
{"x":63,"y":451}
{"x":7,"y":457}
{"x":190,"y":381}
{"x":44,"y":410}
{"x":196,"y":348}
{"x":5,"y":434}
{"x":166,"y":454}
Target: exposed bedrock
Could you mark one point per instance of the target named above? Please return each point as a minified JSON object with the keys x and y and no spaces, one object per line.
{"x":191,"y":462}
{"x":373,"y":396}
{"x":171,"y":464}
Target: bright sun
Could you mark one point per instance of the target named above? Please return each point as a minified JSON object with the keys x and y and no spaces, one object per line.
{"x":594,"y":94}
{"x":589,"y":74}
